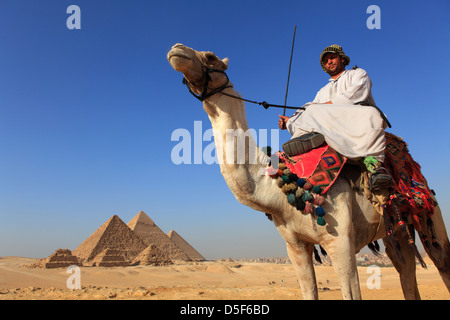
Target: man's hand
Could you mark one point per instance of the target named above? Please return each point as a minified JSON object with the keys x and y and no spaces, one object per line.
{"x":282,"y":122}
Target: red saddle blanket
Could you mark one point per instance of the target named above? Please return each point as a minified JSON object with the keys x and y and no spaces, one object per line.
{"x":321,"y":166}
{"x":410,"y":184}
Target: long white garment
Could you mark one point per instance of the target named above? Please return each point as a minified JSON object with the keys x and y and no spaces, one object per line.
{"x":355,"y":131}
{"x":351,"y":87}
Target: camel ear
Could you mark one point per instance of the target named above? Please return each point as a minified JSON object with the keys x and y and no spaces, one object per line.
{"x":225,"y":63}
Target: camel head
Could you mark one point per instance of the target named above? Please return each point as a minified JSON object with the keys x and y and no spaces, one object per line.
{"x":199,"y":68}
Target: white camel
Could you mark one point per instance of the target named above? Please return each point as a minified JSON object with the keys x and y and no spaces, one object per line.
{"x":352,"y":221}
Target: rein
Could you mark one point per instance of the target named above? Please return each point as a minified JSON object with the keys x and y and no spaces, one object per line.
{"x":204,"y":95}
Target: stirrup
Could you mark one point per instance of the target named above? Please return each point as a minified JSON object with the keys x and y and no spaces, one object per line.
{"x":303,"y":144}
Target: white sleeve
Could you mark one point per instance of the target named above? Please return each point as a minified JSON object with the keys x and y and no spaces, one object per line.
{"x":359,"y":89}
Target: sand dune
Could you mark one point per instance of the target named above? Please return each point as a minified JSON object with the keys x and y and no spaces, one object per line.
{"x":209,"y":280}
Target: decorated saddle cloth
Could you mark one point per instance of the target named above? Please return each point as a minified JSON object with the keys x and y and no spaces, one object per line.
{"x":307,"y":177}
{"x":411,"y":187}
{"x":320,"y":166}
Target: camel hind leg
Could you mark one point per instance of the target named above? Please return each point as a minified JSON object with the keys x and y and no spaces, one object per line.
{"x":405,"y":266}
{"x":439,"y":251}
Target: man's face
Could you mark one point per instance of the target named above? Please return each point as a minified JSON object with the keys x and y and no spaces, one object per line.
{"x":333,"y":63}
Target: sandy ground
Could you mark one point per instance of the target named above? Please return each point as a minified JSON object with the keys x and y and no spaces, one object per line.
{"x":209,"y":280}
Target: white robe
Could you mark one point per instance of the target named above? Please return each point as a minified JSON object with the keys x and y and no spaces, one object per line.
{"x":355,"y":131}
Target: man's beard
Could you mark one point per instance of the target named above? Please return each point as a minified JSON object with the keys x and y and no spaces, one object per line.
{"x":339,"y":69}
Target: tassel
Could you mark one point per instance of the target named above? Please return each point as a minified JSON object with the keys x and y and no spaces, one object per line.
{"x":300,"y":204}
{"x":321,"y":221}
{"x":430,"y":227}
{"x":291,"y":198}
{"x":307,"y":196}
{"x":414,"y":247}
{"x":320,"y":212}
{"x":309,"y":207}
{"x":317,"y":190}
{"x":322,"y":250}
{"x":388,"y":222}
{"x":301,"y":182}
{"x":377,"y":246}
{"x":373,"y":248}
{"x":319,"y":200}
{"x":316,"y":256}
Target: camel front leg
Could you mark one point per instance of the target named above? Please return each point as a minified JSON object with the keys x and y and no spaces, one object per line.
{"x":301,"y":258}
{"x":342,"y":254}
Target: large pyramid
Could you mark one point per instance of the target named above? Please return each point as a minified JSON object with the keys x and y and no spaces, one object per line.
{"x":185,"y":246}
{"x":149,"y":232}
{"x":114,"y":234}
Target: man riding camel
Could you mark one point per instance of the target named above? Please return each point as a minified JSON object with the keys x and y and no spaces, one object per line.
{"x":344,"y":115}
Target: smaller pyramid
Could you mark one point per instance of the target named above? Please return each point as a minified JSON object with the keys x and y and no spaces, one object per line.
{"x":110,"y":258}
{"x":185,"y":246}
{"x":150,"y":233}
{"x":152,"y":256}
{"x":61,"y":258}
{"x":113,"y":234}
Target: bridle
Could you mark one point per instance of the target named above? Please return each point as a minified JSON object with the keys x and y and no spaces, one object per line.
{"x":205,"y":94}
{"x":207,"y":78}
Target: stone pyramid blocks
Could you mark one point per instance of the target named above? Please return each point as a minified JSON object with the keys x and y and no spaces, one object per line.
{"x":151,"y":256}
{"x":149,"y":232}
{"x":140,"y":242}
{"x":61,"y":258}
{"x":113,"y":234}
{"x":185,"y":246}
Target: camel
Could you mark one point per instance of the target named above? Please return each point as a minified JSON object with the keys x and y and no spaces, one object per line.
{"x":352,"y":221}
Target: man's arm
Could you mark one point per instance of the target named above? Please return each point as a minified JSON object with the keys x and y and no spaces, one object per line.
{"x":358,"y":91}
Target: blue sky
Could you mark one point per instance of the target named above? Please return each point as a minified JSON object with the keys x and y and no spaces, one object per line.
{"x":86,"y":116}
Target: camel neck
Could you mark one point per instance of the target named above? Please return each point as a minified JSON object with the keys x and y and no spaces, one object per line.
{"x":242,"y":163}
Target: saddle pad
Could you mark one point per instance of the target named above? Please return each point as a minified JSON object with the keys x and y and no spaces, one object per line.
{"x":320,"y":166}
{"x":409,"y":181}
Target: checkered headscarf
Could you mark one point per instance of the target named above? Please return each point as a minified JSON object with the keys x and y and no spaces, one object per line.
{"x":336,"y":49}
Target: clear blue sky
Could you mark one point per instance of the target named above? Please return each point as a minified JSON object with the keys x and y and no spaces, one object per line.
{"x":86,"y":116}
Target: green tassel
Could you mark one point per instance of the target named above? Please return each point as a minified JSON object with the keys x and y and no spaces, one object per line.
{"x":317,"y":190}
{"x":291,"y":198}
{"x":321,"y":221}
{"x":370,"y":163}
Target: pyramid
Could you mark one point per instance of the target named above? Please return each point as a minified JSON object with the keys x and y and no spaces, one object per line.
{"x":110,"y":258}
{"x":185,"y":246}
{"x":151,"y":256}
{"x":61,"y":258}
{"x":149,"y":232}
{"x":113,"y":234}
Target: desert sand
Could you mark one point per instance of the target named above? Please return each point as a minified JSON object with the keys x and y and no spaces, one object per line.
{"x":207,"y":280}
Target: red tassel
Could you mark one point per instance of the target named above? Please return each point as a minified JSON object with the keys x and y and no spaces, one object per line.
{"x":309,"y":207}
